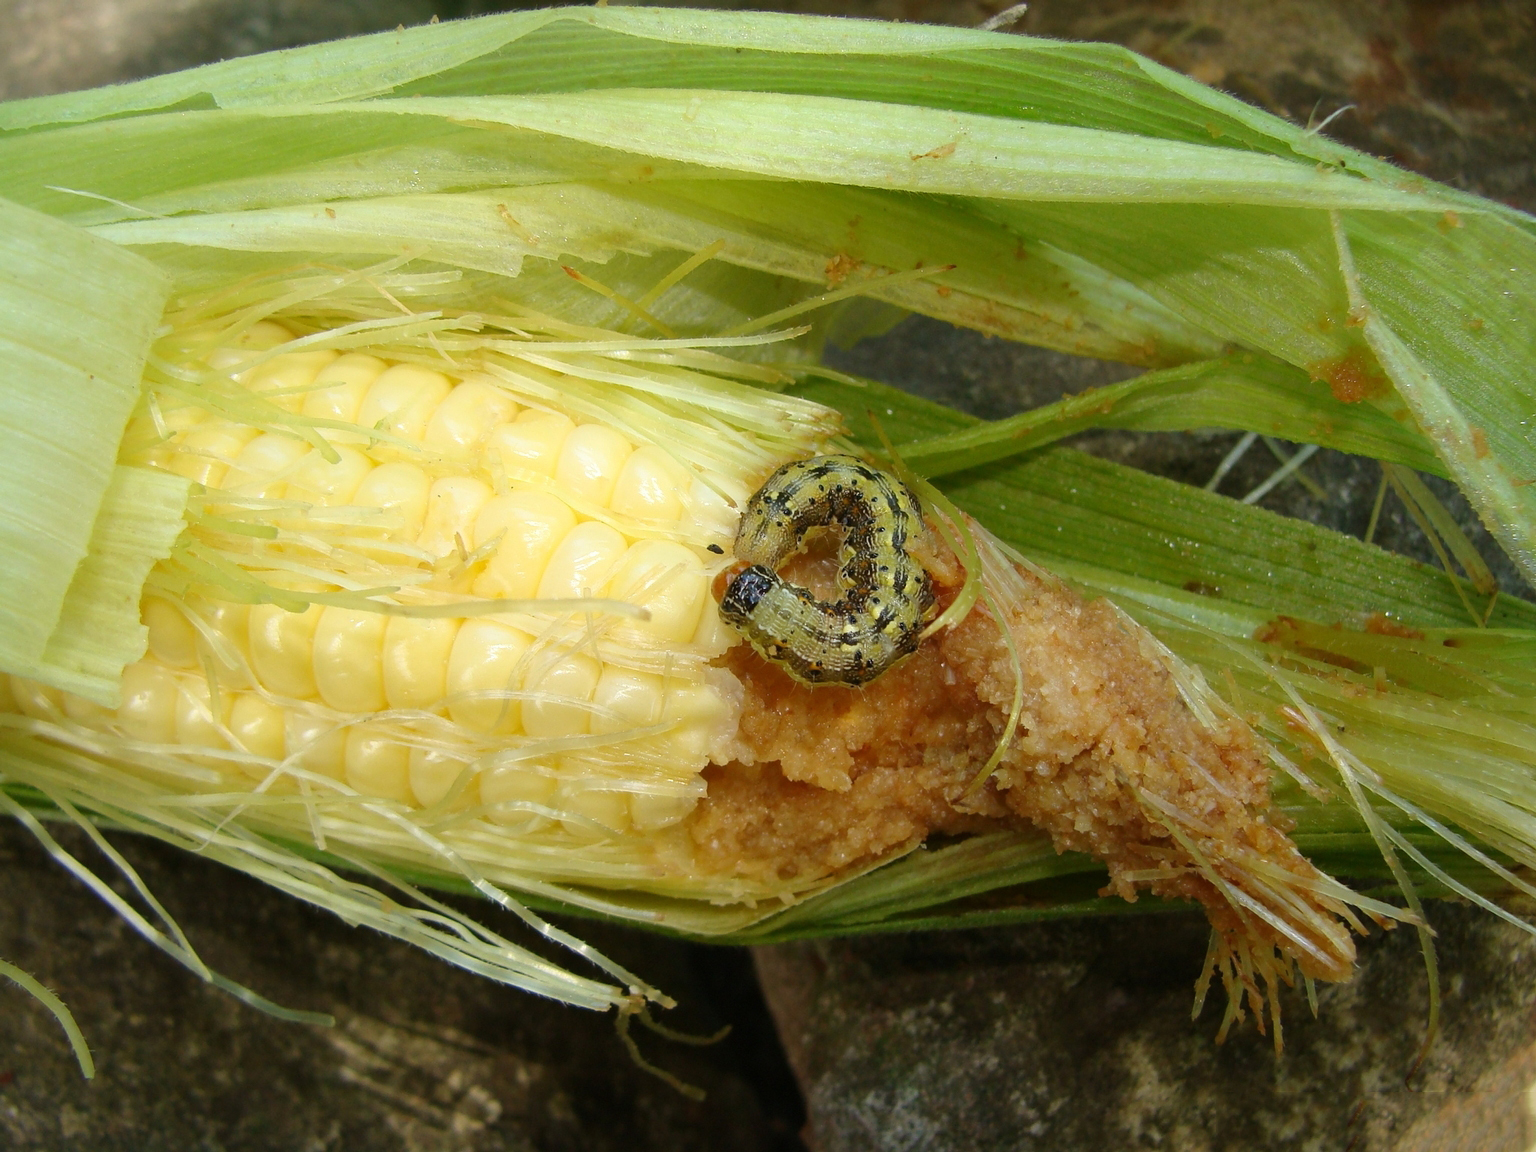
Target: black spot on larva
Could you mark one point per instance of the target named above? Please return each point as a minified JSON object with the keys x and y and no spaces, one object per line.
{"x":884,"y":597}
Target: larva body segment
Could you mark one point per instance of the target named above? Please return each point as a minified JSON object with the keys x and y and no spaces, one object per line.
{"x":885,"y":592}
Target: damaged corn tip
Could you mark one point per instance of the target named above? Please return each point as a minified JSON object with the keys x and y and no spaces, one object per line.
{"x":453,"y":490}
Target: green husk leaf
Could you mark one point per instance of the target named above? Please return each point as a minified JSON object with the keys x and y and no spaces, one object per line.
{"x":1067,"y":508}
{"x":99,"y":633}
{"x":1462,"y":364}
{"x":576,"y":49}
{"x":1247,"y":392}
{"x":76,"y":318}
{"x":1067,"y":505}
{"x":822,"y":139}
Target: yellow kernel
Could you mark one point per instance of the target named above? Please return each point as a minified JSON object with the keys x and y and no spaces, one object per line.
{"x":699,"y":712}
{"x":259,"y":337}
{"x":453,"y":504}
{"x":341,"y":386}
{"x":319,"y":481}
{"x":650,"y":486}
{"x":626,"y":699}
{"x":347,"y":667}
{"x":148,"y":710}
{"x":531,"y":525}
{"x":161,"y":456}
{"x":649,"y":813}
{"x":257,"y":726}
{"x":556,"y":704}
{"x":711,"y":513}
{"x":432,"y":775}
{"x":582,"y":562}
{"x":172,"y":639}
{"x":402,"y":400}
{"x":183,"y":418}
{"x":282,"y":645}
{"x":667,"y":579}
{"x":609,"y":810}
{"x":713,"y":637}
{"x":283,"y":379}
{"x":468,"y":415}
{"x":531,"y":443}
{"x":142,"y":446}
{"x":399,"y":489}
{"x":508,"y":790}
{"x":225,"y":651}
{"x":204,"y":456}
{"x":263,"y":466}
{"x":378,"y":764}
{"x":38,"y":700}
{"x":196,"y":725}
{"x":316,"y":744}
{"x":484,"y":668}
{"x":86,"y":713}
{"x":590,"y":461}
{"x":415,"y":659}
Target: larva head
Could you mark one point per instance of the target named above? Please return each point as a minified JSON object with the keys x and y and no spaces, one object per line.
{"x":745,"y":593}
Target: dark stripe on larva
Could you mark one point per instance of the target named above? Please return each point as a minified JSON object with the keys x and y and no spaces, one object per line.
{"x":885,"y":593}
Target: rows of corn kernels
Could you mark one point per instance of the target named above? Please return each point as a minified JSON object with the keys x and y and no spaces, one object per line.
{"x":594,"y":724}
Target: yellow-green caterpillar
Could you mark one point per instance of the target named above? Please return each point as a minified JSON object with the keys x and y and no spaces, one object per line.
{"x":886,"y":594}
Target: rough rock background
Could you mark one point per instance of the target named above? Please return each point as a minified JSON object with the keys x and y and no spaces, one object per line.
{"x":1068,"y":1036}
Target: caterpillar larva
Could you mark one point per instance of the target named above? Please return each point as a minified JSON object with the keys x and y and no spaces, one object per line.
{"x":885,"y":593}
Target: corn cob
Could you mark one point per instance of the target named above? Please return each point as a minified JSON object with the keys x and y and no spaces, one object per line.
{"x":475,"y":493}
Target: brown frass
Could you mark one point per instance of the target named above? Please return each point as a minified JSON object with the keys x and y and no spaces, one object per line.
{"x":1108,"y":759}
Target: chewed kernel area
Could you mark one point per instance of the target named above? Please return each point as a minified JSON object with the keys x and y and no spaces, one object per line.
{"x":463,"y":489}
{"x":828,"y":779}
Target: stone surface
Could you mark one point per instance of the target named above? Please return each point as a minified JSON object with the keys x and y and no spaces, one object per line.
{"x":1077,"y":1036}
{"x":1444,"y":87}
{"x":423,"y":1057}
